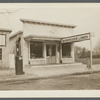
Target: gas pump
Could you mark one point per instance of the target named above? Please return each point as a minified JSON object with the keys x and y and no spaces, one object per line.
{"x":18,"y":58}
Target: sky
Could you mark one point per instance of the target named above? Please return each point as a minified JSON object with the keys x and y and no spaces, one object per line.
{"x":85,"y":17}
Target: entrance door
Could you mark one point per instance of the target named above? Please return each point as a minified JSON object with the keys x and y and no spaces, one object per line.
{"x":51,"y":53}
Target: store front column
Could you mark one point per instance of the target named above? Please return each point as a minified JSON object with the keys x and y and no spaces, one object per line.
{"x":72,"y":51}
{"x":60,"y":56}
{"x":44,"y":52}
{"x":57,"y":53}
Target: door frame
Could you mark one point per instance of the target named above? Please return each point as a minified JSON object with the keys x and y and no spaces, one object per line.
{"x":51,"y":43}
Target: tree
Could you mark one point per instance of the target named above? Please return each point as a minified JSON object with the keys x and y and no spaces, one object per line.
{"x":97,"y":48}
{"x":77,"y":52}
{"x":83,"y":52}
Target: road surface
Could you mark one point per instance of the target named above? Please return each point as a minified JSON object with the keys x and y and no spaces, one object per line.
{"x":73,"y":82}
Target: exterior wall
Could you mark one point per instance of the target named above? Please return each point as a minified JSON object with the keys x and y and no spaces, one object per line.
{"x":25,"y":52}
{"x":4,"y":63}
{"x":45,"y":30}
{"x":37,"y":61}
{"x":13,"y":45}
{"x":67,"y":60}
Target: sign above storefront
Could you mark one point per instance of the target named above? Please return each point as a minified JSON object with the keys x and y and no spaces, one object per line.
{"x":76,"y":38}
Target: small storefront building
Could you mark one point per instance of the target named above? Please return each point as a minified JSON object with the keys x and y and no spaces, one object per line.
{"x":41,"y":42}
{"x":4,"y":48}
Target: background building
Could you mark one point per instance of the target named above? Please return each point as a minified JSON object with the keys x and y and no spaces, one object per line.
{"x":4,"y":48}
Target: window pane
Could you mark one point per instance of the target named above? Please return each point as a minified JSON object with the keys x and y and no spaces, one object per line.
{"x":36,"y":50}
{"x":48,"y":49}
{"x":53,"y":50}
{"x":66,"y":50}
{"x":0,"y":54}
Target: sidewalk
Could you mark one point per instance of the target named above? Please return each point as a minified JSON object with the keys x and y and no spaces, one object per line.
{"x":38,"y":72}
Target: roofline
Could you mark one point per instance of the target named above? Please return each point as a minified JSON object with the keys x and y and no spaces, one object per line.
{"x":47,"y":23}
{"x":18,"y":32}
{"x":41,"y":37}
{"x":5,"y":30}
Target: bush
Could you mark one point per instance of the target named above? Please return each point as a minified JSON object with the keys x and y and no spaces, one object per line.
{"x":96,"y":56}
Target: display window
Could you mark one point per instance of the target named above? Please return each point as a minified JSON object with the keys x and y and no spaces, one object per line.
{"x":36,"y":50}
{"x":66,"y":50}
{"x":0,"y":53}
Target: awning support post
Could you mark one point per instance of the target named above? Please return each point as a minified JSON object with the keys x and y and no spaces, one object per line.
{"x":90,"y":50}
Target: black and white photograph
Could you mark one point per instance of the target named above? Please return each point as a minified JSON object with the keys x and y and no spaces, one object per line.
{"x":49,"y":47}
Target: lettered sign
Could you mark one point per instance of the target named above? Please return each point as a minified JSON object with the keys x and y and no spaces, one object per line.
{"x":76,"y":38}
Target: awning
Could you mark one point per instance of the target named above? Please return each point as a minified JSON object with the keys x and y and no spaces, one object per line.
{"x":33,"y":37}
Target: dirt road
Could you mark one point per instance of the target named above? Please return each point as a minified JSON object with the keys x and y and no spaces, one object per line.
{"x":74,"y":82}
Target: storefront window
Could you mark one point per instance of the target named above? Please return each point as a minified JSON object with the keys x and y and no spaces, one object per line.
{"x":0,"y":54}
{"x":66,"y":50}
{"x":36,"y":50}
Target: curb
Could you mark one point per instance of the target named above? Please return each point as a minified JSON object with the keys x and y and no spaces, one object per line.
{"x":24,"y":79}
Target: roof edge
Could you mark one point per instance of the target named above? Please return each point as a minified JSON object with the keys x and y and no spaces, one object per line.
{"x":41,"y":37}
{"x":5,"y":30}
{"x":18,"y":32}
{"x":47,"y":23}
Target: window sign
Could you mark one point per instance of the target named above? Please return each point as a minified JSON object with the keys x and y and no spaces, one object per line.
{"x":2,"y":40}
{"x":76,"y":38}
